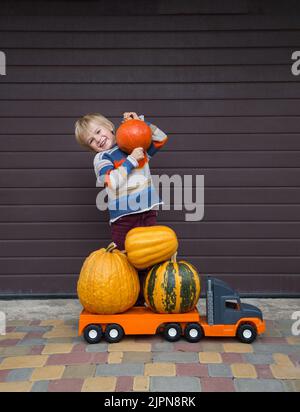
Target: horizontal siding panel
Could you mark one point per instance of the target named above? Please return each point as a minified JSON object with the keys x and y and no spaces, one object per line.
{"x":278,"y":124}
{"x":257,"y":38}
{"x":216,"y":195}
{"x":188,"y":142}
{"x":207,"y":159}
{"x":132,"y":7}
{"x":215,"y":159}
{"x":38,"y":284}
{"x":207,"y":247}
{"x":66,"y":284}
{"x":140,"y":57}
{"x":287,"y":284}
{"x":149,"y":74}
{"x":224,"y":264}
{"x":151,"y":108}
{"x":220,"y":213}
{"x":150,"y":91}
{"x":199,"y":230}
{"x":236,"y":177}
{"x":148,"y":23}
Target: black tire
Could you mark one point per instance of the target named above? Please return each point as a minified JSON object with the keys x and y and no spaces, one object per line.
{"x":92,"y":333}
{"x":114,"y":333}
{"x":246,"y":333}
{"x":193,"y":332}
{"x":172,"y":332}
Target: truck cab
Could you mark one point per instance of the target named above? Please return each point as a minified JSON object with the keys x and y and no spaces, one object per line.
{"x":227,"y":306}
{"x":226,"y":315}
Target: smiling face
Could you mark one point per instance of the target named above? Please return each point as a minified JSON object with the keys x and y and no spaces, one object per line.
{"x":98,"y":137}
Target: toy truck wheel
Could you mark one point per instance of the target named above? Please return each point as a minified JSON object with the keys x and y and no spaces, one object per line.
{"x":93,"y":333}
{"x":246,"y":333}
{"x":193,"y":332}
{"x":172,"y":332}
{"x":113,"y":333}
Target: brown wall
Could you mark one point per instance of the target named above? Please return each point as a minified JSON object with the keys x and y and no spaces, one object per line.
{"x":216,"y":76}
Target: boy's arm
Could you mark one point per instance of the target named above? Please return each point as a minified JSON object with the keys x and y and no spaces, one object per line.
{"x":108,"y":175}
{"x":159,"y":139}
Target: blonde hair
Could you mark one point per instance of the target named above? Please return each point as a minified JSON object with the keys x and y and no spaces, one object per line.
{"x":82,"y":126}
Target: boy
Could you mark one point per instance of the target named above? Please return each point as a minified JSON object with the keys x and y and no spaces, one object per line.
{"x":132,"y":198}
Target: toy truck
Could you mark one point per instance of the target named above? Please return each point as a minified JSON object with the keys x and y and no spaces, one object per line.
{"x":225,"y":316}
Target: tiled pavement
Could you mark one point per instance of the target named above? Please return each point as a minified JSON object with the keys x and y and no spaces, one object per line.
{"x":42,"y":356}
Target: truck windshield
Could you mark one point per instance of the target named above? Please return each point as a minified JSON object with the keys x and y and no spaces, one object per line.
{"x":232,"y":304}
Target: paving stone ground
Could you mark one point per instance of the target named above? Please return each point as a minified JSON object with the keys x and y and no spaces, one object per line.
{"x":48,"y":356}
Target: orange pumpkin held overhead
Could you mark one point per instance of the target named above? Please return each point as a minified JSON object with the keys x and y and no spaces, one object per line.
{"x":133,"y":133}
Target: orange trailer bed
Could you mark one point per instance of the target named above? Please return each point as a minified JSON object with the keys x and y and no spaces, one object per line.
{"x":138,"y":320}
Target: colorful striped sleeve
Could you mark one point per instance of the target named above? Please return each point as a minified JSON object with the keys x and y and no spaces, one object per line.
{"x":108,"y":175}
{"x":159,"y":139}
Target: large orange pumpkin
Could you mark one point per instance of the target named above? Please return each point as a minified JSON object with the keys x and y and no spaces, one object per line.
{"x":133,"y":133}
{"x":108,"y":283}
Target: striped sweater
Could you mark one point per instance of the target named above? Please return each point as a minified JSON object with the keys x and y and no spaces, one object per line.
{"x":128,"y":183}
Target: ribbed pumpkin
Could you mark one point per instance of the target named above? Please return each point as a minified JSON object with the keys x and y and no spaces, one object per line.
{"x":133,"y":133}
{"x":172,"y":287}
{"x":148,"y":245}
{"x":108,"y":283}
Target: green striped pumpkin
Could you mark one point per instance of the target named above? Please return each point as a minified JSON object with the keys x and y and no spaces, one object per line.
{"x":172,"y":287}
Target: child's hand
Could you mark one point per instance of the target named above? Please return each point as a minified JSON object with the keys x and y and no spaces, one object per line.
{"x":138,"y":153}
{"x":130,"y":115}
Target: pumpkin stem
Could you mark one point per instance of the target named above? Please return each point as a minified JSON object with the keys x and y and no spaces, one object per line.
{"x":111,"y":247}
{"x":173,"y":258}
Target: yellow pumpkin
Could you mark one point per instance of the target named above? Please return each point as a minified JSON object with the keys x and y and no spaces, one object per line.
{"x":108,"y":283}
{"x":172,"y":287}
{"x":148,"y":245}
